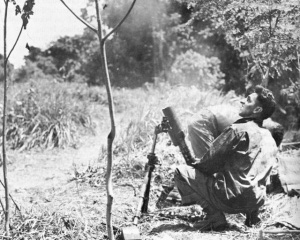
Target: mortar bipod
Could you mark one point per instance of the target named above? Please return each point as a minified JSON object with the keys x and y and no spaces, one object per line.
{"x":150,"y":166}
{"x":132,"y":232}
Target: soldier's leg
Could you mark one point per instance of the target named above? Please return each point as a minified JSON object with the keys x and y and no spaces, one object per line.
{"x":193,"y":187}
{"x":190,"y":187}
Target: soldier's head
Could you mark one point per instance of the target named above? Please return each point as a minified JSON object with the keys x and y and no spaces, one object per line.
{"x":260,"y":104}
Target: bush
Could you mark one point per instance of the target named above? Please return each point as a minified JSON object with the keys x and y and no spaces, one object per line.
{"x":10,"y":69}
{"x":193,"y":68}
{"x":290,"y":99}
{"x":28,"y":72}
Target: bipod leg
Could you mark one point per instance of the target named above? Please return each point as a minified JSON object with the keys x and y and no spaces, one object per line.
{"x":132,"y":232}
{"x":145,"y":189}
{"x":150,"y":169}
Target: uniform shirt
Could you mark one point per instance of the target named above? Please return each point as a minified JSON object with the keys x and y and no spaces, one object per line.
{"x":241,"y":159}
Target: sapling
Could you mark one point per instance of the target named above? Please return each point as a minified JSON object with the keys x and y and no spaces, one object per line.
{"x":26,"y":12}
{"x":111,"y":136}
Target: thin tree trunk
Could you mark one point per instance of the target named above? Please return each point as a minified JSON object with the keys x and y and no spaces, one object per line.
{"x":7,"y":215}
{"x":111,"y":136}
{"x":110,"y":139}
{"x":298,"y":58}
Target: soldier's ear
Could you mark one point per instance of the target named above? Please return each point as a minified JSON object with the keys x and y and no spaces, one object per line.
{"x":257,"y":110}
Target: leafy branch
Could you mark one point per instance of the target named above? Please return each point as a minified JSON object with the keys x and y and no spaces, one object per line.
{"x":25,"y":15}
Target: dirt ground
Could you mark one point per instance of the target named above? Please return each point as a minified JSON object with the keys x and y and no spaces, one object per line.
{"x":45,"y":179}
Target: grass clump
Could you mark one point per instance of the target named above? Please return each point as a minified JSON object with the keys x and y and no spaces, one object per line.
{"x":36,"y":223}
{"x":45,"y":114}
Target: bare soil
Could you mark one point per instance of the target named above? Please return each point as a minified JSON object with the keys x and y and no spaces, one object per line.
{"x":46,"y":180}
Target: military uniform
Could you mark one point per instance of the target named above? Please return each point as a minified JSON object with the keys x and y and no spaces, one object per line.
{"x":242,"y":155}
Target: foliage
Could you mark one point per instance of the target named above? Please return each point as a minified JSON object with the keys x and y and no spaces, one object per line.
{"x":45,"y":114}
{"x":290,"y":97}
{"x":195,"y":32}
{"x":34,"y":70}
{"x":194,"y":68}
{"x":26,"y":11}
{"x":60,"y":60}
{"x":266,"y":36}
{"x":144,"y":49}
{"x":78,"y":58}
{"x":292,"y":94}
{"x":266,"y":33}
{"x":70,"y":54}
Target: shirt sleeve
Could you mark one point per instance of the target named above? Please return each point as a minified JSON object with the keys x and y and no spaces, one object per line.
{"x":230,"y":140}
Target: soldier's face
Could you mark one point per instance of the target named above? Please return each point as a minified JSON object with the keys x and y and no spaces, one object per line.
{"x":250,"y":107}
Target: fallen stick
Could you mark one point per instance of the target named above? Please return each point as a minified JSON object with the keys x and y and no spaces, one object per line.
{"x":12,"y":199}
{"x":261,"y":232}
{"x":289,"y":143}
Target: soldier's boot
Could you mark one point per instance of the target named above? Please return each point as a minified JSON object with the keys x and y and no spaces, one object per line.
{"x":252,"y":218}
{"x":215,"y":220}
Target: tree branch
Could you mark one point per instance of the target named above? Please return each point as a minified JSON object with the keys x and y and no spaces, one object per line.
{"x":99,"y":24}
{"x":16,"y":205}
{"x":15,"y":43}
{"x":120,"y":23}
{"x":276,"y":23}
{"x":255,"y":61}
{"x":3,"y":209}
{"x":298,"y":58}
{"x":79,"y":18}
{"x":270,"y":23}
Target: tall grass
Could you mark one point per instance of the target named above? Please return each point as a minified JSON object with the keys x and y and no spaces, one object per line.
{"x":46,"y":114}
{"x":145,"y":110}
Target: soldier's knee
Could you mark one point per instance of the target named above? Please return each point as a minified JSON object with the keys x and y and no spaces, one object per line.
{"x":179,"y":171}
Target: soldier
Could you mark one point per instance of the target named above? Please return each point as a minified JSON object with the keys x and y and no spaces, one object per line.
{"x":242,"y":158}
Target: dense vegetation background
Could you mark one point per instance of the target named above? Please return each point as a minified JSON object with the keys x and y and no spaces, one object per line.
{"x":225,"y":46}
{"x":228,"y":45}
